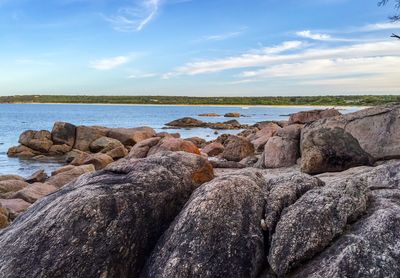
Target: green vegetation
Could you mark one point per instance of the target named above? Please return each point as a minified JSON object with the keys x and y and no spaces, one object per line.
{"x":311,"y":100}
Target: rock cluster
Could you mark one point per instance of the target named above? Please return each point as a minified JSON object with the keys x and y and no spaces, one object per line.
{"x":188,"y":122}
{"x":161,"y":212}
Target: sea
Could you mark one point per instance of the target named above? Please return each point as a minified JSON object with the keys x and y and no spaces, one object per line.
{"x":16,"y":118}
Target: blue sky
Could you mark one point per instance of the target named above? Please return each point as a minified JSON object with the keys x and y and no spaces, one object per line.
{"x":198,"y":47}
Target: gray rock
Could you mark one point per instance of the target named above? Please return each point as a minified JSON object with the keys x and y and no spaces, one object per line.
{"x":309,"y":225}
{"x":281,"y":152}
{"x":63,"y":134}
{"x":330,"y":150}
{"x":105,"y":224}
{"x":376,"y":129}
{"x":281,"y":192}
{"x":217,"y":234}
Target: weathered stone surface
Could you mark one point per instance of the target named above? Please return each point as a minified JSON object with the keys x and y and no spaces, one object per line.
{"x":15,"y":206}
{"x":199,"y":142}
{"x":261,"y":137}
{"x":232,"y":115}
{"x":370,"y":247}
{"x":330,"y":150}
{"x":166,"y":134}
{"x":313,"y":115}
{"x":67,"y":174}
{"x":237,"y":148}
{"x":250,"y":161}
{"x":105,"y":224}
{"x":63,"y":134}
{"x":141,"y":149}
{"x":281,"y":192}
{"x":218,"y":233}
{"x":309,"y":225}
{"x":4,"y":222}
{"x":87,"y":134}
{"x":59,"y":149}
{"x":78,"y":157}
{"x":376,"y":129}
{"x":38,"y":176}
{"x":37,"y":140}
{"x":117,"y":153}
{"x":186,"y":122}
{"x":34,"y":191}
{"x":292,"y":132}
{"x":221,"y":163}
{"x":281,"y":152}
{"x":131,"y":136}
{"x":175,"y":145}
{"x":8,"y":186}
{"x":104,"y":144}
{"x":22,"y":151}
{"x":213,"y":149}
{"x":98,"y":160}
{"x":232,"y":124}
{"x":10,"y":177}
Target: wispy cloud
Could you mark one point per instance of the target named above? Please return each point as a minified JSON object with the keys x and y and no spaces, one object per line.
{"x":380,"y":26}
{"x":136,"y":17}
{"x":141,"y":75}
{"x":307,"y":34}
{"x":110,"y":63}
{"x":222,"y":36}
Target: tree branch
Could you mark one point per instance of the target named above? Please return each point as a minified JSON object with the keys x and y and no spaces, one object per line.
{"x":395,"y":36}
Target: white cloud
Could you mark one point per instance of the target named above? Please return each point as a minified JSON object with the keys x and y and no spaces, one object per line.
{"x":109,"y":63}
{"x":135,"y":18}
{"x":314,"y":36}
{"x":141,"y":75}
{"x":276,"y":55}
{"x":381,"y":26}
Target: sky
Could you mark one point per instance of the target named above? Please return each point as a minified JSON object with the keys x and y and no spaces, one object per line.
{"x":198,"y":47}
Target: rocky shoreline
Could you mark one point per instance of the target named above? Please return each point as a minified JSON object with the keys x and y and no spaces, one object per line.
{"x":314,"y":196}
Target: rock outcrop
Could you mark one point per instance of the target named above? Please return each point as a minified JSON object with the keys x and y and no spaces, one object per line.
{"x":175,"y":145}
{"x":105,"y":224}
{"x":131,"y":136}
{"x":376,"y":129}
{"x":217,"y":234}
{"x":330,"y":150}
{"x":63,"y":134}
{"x":311,"y":116}
{"x":85,"y":135}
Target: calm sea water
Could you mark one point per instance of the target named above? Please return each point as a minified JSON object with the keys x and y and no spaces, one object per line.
{"x":16,"y":118}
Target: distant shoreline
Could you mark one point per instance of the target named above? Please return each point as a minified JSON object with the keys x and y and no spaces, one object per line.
{"x":293,"y":101}
{"x":340,"y":107}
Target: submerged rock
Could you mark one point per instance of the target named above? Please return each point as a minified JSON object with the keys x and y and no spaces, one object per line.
{"x":186,"y":122}
{"x":217,"y":234}
{"x":105,"y":224}
{"x":232,"y":115}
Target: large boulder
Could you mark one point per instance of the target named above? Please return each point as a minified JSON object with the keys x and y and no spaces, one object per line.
{"x":281,"y":192}
{"x":377,"y":129}
{"x":15,"y":206}
{"x":369,"y":247}
{"x":85,"y":135}
{"x":117,"y":153}
{"x":237,"y":148}
{"x":175,"y":145}
{"x":98,"y":160}
{"x":218,"y":233}
{"x":9,"y":186}
{"x":281,"y":152}
{"x":63,"y":134}
{"x":104,"y":144}
{"x":34,"y":191}
{"x":213,"y":149}
{"x":309,"y":225}
{"x":67,"y":174}
{"x":105,"y":224}
{"x":313,"y":115}
{"x":187,"y":122}
{"x":22,"y":152}
{"x":141,"y":149}
{"x":37,"y":140}
{"x":261,"y":137}
{"x":131,"y":136}
{"x":199,"y":142}
{"x":330,"y":150}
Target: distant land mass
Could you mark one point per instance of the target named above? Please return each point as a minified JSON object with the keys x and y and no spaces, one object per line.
{"x":359,"y":100}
